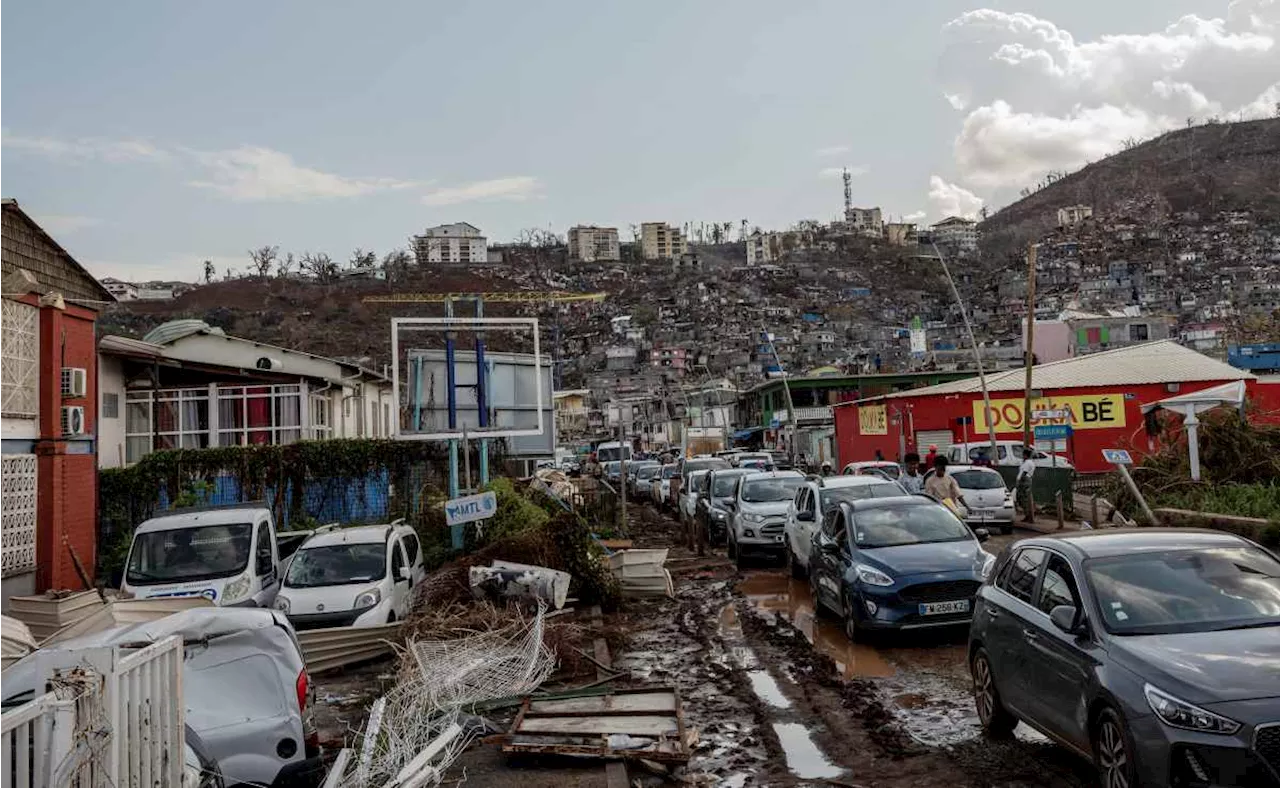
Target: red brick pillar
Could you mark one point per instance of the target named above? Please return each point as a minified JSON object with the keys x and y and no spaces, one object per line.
{"x":50,"y":493}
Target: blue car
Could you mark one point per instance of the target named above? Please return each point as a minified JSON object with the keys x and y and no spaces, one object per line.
{"x":896,"y":563}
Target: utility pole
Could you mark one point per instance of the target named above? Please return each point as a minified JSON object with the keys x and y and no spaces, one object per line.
{"x":977,"y":354}
{"x":622,"y":476}
{"x":786,"y":387}
{"x":1029,"y":349}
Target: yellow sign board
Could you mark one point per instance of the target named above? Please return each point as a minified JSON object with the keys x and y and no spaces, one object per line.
{"x":1086,"y":412}
{"x":873,"y":420}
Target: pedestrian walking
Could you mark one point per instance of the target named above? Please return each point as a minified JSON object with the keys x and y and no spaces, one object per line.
{"x":932,"y":456}
{"x":912,"y":479}
{"x":942,"y":485}
{"x":1022,"y":484}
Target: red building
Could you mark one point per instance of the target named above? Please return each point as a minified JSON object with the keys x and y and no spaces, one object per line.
{"x":49,"y":412}
{"x":1101,"y":395}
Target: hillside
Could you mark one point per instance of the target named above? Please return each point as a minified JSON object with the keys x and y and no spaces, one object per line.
{"x":1210,"y":168}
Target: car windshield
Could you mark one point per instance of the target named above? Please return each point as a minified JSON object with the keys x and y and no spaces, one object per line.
{"x":612,"y":467}
{"x":861,"y":492}
{"x":771,"y":490}
{"x":669,"y":472}
{"x":698,"y":482}
{"x":648,"y":472}
{"x":724,"y":484}
{"x":901,"y":525}
{"x":978,"y":480}
{"x":891,"y":470}
{"x":202,"y":553}
{"x":705,"y":464}
{"x":1187,"y":590}
{"x":339,"y":564}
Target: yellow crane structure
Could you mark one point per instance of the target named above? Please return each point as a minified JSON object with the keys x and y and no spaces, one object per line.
{"x":518,"y":297}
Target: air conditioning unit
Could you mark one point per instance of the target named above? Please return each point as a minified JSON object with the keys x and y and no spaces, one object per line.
{"x":72,"y":420}
{"x":74,"y":381}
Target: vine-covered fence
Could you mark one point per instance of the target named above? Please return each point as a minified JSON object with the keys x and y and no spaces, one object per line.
{"x":305,"y":484}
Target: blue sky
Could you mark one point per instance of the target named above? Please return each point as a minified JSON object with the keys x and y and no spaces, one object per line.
{"x":148,"y":136}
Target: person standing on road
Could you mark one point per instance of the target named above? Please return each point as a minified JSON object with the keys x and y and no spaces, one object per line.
{"x":912,"y":479}
{"x":942,"y":486}
{"x":1022,"y":483}
{"x":932,"y":456}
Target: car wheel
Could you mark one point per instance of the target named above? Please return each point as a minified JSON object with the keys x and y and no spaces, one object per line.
{"x":1112,"y":752}
{"x":850,"y":618}
{"x":818,"y":606}
{"x":731,"y":548}
{"x":996,"y":721}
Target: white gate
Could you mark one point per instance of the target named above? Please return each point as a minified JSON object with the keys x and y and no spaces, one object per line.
{"x":18,"y":517}
{"x":136,"y":706}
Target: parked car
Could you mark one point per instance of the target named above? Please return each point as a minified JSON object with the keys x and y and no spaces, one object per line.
{"x":818,"y":494}
{"x":986,"y":499}
{"x":612,"y":471}
{"x":1153,"y":652}
{"x":689,"y":495}
{"x":244,"y":685}
{"x":713,"y":512}
{"x":896,"y":563}
{"x":760,"y":513}
{"x":361,"y":576}
{"x":688,"y":466}
{"x":1007,"y":453}
{"x":748,"y":456}
{"x":640,"y":488}
{"x":228,"y":554}
{"x":885,"y":468}
{"x":660,"y":489}
{"x":633,"y":471}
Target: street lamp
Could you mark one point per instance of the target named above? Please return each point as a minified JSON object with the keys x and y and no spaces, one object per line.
{"x":977,"y":354}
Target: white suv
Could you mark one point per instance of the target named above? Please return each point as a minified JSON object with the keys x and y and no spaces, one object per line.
{"x":361,"y":576}
{"x":804,"y":515}
{"x":759,"y":509}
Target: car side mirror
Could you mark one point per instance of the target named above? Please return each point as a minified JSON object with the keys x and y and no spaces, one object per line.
{"x":982,"y":533}
{"x":1064,"y":618}
{"x":805,"y":516}
{"x":830,"y":546}
{"x":405,"y":573}
{"x":731,"y":505}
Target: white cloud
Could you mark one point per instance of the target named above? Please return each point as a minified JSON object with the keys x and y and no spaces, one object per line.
{"x":86,"y":149}
{"x":65,"y":224}
{"x":948,"y":199}
{"x":515,"y":188}
{"x":1039,"y":99}
{"x":832,"y":150}
{"x":836,"y":172}
{"x":254,"y":174}
{"x":915,"y":216}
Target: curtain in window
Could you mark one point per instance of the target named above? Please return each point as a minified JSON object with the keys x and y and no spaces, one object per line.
{"x":288,"y":417}
{"x":259,"y":409}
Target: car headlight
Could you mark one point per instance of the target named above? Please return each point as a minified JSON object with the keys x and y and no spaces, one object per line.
{"x":988,"y":564}
{"x":1178,"y":713}
{"x":748,"y":533}
{"x":872,"y":576}
{"x":719,"y":515}
{"x":235,"y":588}
{"x":282,"y":603}
{"x":753,"y":518}
{"x":369,"y":598}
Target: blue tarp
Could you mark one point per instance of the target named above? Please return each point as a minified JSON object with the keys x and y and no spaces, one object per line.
{"x":742,"y":435}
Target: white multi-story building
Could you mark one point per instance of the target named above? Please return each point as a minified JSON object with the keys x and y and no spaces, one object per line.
{"x":865,"y":221}
{"x":762,"y":248}
{"x":1072,"y":215}
{"x":660,"y":241}
{"x":589,"y":244}
{"x":123,"y":291}
{"x":956,"y":232}
{"x":451,"y":243}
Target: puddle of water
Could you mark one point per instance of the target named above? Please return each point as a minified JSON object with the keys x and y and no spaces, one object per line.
{"x":767,"y":689}
{"x":789,"y":598}
{"x":804,"y":759}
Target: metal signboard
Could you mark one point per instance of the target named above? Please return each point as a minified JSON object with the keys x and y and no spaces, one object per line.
{"x":1052,"y":432}
{"x":470,"y":508}
{"x":1117,"y":456}
{"x":1048,"y":415}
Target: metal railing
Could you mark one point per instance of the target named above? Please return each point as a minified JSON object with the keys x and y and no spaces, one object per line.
{"x":34,"y":740}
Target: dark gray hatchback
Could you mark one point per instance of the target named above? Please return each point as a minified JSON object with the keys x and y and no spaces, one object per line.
{"x":1154,"y":652}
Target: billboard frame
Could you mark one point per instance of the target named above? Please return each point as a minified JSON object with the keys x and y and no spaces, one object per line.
{"x":463,"y":324}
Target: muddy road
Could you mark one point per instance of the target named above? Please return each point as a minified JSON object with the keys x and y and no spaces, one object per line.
{"x":782,"y":697}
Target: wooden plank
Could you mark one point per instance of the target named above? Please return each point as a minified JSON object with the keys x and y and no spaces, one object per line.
{"x":635,"y":724}
{"x":615,"y":774}
{"x":630,"y":703}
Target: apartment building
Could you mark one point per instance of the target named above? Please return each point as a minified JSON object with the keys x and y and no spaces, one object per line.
{"x":459,"y":243}
{"x":956,"y":232}
{"x":660,"y":241}
{"x":762,"y":247}
{"x":589,"y":244}
{"x":865,"y":221}
{"x":123,"y":291}
{"x":1072,"y":215}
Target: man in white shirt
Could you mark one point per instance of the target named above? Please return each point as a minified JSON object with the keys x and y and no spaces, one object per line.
{"x":1022,"y":484}
{"x":912,"y":479}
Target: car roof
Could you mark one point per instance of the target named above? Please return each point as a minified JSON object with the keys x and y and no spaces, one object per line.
{"x":758,"y":475}
{"x":958,"y":467}
{"x":889,"y":503}
{"x":850,"y":480}
{"x":359,"y":534}
{"x":195,"y":518}
{"x":1106,"y":542}
{"x":699,"y":473}
{"x":870,"y":464}
{"x":732,"y":472}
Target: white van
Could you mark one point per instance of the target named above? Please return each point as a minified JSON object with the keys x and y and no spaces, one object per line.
{"x":228,"y":555}
{"x":361,"y":576}
{"x":1008,"y":453}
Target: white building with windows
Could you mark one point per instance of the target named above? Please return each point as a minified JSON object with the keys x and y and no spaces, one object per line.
{"x":188,"y":385}
{"x":589,"y":244}
{"x":762,"y":247}
{"x":459,"y":243}
{"x":957,"y":233}
{"x":123,"y":291}
{"x":865,"y":221}
{"x":1072,"y":215}
{"x":661,"y":241}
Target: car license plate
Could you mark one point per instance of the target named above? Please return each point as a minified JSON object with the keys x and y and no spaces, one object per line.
{"x":940,"y":608}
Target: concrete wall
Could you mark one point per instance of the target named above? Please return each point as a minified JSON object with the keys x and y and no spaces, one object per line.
{"x":111,"y":430}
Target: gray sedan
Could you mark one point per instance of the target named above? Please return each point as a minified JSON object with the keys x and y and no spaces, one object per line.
{"x":1154,"y":652}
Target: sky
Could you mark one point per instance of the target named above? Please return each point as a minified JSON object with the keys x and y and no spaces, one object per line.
{"x":148,"y":137}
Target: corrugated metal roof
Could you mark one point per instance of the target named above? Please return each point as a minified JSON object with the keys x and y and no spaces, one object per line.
{"x":1163,"y":361}
{"x":129,"y":347}
{"x":174,"y":330}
